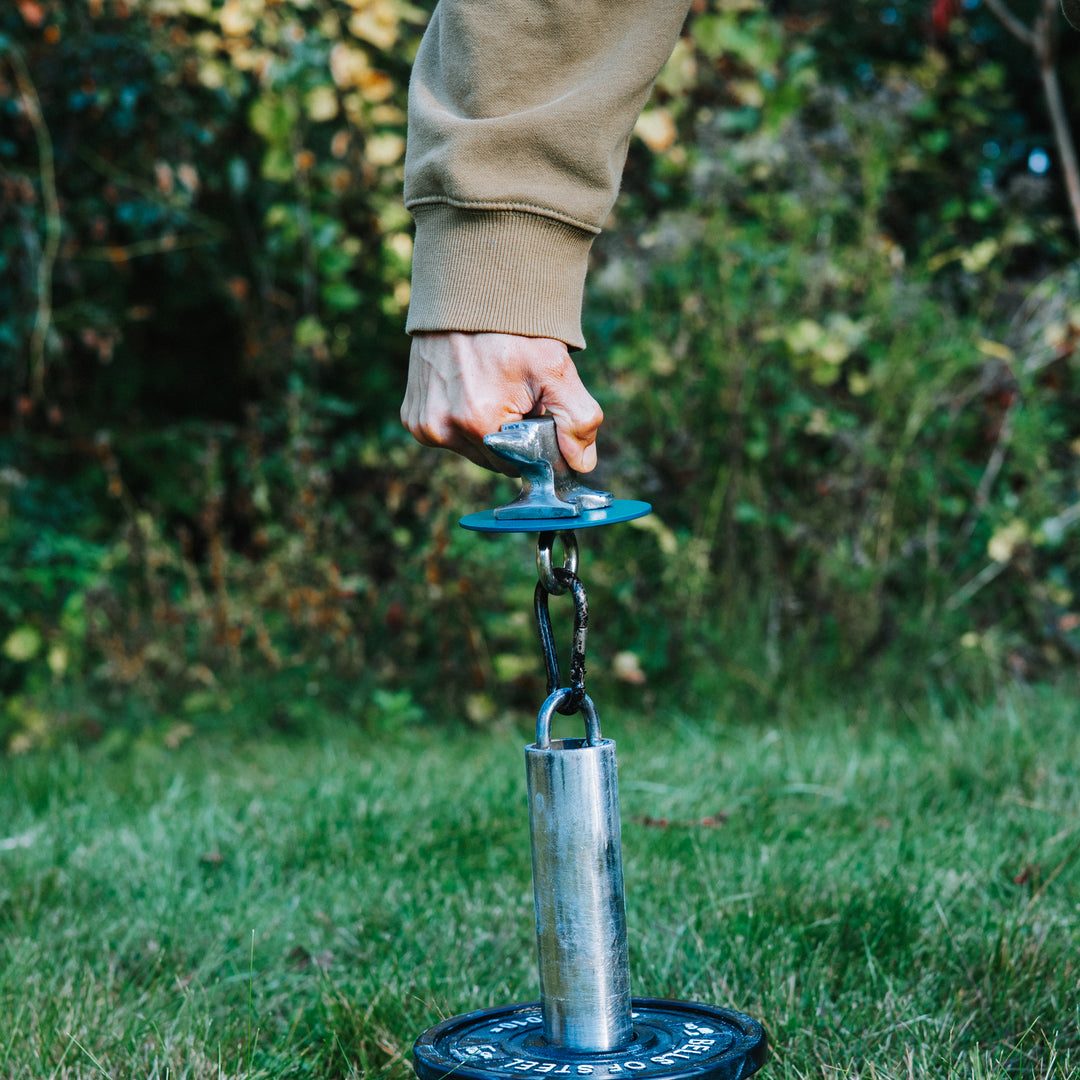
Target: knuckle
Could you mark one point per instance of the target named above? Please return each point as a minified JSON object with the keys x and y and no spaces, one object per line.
{"x":482,"y":413}
{"x":430,"y":434}
{"x":559,"y":363}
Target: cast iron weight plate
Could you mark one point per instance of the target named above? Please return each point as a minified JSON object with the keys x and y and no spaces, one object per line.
{"x":619,"y":510}
{"x":673,"y":1040}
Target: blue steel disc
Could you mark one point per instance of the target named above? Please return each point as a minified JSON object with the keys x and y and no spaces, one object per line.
{"x":672,"y":1040}
{"x":619,"y":510}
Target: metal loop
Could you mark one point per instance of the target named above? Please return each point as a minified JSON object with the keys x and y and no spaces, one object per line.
{"x":557,"y":702}
{"x":567,"y":581}
{"x":547,"y":637}
{"x":543,"y":559}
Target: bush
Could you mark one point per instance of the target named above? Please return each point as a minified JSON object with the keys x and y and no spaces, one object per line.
{"x":222,"y":185}
{"x":821,"y":346}
{"x":853,"y":446}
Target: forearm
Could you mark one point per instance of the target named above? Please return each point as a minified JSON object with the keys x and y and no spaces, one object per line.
{"x":520,"y":114}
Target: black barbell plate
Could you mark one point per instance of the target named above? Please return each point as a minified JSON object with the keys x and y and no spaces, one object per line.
{"x":673,"y":1040}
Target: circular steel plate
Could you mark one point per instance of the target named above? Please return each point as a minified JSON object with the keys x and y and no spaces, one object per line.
{"x":673,"y":1040}
{"x":619,"y":510}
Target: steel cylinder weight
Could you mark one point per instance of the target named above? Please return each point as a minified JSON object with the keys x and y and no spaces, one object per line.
{"x":578,"y":885}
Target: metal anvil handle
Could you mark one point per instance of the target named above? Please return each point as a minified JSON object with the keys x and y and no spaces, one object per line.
{"x":549,"y":487}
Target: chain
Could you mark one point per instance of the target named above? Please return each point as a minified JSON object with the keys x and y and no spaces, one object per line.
{"x":556,"y":581}
{"x":543,"y":559}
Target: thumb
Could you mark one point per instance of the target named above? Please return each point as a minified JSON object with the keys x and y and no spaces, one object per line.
{"x":577,"y":417}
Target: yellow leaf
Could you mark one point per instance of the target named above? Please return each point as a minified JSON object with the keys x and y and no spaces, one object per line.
{"x":747,"y":92}
{"x":834,"y":350}
{"x":511,"y":666}
{"x":257,"y":60}
{"x":978,"y":258}
{"x":805,"y":336}
{"x":330,"y":26}
{"x":347,"y":65}
{"x":387,"y":115}
{"x":376,"y":85}
{"x":859,"y":384}
{"x":189,"y":177}
{"x":340,"y":180}
{"x":401,"y":245}
{"x":235,"y":20}
{"x":384,"y":149}
{"x":824,"y":374}
{"x":1005,"y":541}
{"x":627,"y":668}
{"x":819,"y":423}
{"x":212,"y":75}
{"x":322,"y":103}
{"x":378,"y":24}
{"x":177,"y":734}
{"x":21,"y":743}
{"x":481,"y":708}
{"x":680,"y":72}
{"x":994,"y":348}
{"x":1055,"y":334}
{"x":943,"y":258}
{"x":656,"y":129}
{"x":22,"y":644}
{"x":354,"y":109}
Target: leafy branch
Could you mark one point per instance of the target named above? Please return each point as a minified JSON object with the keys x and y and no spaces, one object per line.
{"x":53,"y":222}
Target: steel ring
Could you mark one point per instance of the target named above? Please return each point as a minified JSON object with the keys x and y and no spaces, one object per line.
{"x":543,"y":559}
{"x":551,"y":706}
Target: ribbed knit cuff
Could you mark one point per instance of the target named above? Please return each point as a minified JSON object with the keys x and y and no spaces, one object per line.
{"x":504,"y":271}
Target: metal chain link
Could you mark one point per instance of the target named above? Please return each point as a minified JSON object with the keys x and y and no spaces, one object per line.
{"x":543,"y":559}
{"x":563,"y":579}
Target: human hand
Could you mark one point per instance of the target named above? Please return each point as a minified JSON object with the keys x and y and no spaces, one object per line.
{"x":464,"y":386}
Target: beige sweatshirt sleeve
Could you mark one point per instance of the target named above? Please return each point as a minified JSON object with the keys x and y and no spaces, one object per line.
{"x":520,"y":114}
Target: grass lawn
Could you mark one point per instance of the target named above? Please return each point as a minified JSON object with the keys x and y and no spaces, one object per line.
{"x":892,"y":898}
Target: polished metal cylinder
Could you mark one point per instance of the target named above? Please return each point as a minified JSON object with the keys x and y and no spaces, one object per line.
{"x":578,"y":886}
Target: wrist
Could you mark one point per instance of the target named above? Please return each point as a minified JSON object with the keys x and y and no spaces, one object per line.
{"x":501,"y":271}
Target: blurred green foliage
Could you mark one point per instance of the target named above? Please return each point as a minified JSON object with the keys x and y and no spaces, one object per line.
{"x":819,"y":375}
{"x":835,"y":325}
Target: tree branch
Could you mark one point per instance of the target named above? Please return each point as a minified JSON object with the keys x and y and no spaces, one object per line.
{"x":53,"y":221}
{"x":1011,"y":23}
{"x":1058,"y":117}
{"x":1042,"y":41}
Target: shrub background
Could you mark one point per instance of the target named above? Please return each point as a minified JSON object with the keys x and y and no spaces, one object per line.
{"x":833,"y":324}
